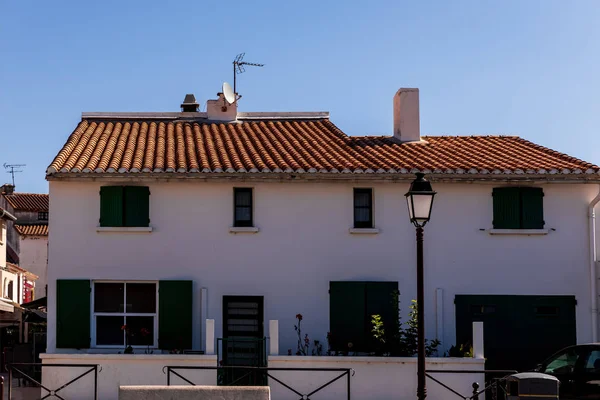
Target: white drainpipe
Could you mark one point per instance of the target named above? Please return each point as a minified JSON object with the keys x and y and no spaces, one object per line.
{"x":593,"y":277}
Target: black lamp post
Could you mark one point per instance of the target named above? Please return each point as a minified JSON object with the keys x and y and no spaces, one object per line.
{"x":420,"y":201}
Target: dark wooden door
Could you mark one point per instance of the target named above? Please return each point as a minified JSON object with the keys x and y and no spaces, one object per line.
{"x":519,"y":331}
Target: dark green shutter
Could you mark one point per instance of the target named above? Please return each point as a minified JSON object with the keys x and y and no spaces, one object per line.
{"x":111,"y":206}
{"x":380,"y":301}
{"x":507,"y":206}
{"x":73,"y":314}
{"x":175,"y":300}
{"x":347,"y":312}
{"x":532,"y":208}
{"x":137,"y":206}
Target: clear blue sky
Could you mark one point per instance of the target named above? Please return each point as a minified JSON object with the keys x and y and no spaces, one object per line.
{"x":525,"y":67}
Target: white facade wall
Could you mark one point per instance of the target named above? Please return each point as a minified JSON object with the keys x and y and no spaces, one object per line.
{"x":34,"y":258}
{"x":377,"y":378}
{"x":3,"y":242}
{"x":304,"y":243}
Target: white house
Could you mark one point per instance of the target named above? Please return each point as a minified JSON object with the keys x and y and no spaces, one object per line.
{"x":245,"y":217}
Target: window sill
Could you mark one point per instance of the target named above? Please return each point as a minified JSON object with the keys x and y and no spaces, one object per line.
{"x":364,"y":231}
{"x":125,"y":229}
{"x":243,"y":229}
{"x":525,"y":232}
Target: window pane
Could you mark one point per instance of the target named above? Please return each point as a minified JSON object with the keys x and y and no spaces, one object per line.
{"x":243,"y":197}
{"x":563,"y":363}
{"x":141,"y":330}
{"x":108,"y":330}
{"x":362,"y":199}
{"x":593,"y":362}
{"x":362,"y":214}
{"x":141,"y":298}
{"x":108,"y":297}
{"x":242,"y":214}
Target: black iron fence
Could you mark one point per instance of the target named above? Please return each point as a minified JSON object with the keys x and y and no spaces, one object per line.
{"x":31,"y":373}
{"x":493,"y":389}
{"x":259,"y":373}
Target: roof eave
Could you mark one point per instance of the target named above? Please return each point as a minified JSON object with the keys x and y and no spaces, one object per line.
{"x":315,"y":177}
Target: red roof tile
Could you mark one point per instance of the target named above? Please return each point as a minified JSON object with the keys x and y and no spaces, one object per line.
{"x":292,"y":145}
{"x":32,"y":230}
{"x":28,"y":201}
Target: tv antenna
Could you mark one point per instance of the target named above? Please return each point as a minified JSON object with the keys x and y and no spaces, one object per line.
{"x":13,"y":169}
{"x":238,"y":68}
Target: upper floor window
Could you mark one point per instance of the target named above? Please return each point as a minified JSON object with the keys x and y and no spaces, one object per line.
{"x":124,"y":206}
{"x":518,"y":208}
{"x":363,"y":208}
{"x":43,"y":216}
{"x":242,"y":198}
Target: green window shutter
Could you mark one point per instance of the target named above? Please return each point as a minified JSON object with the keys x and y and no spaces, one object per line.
{"x":137,"y":206}
{"x":347,"y":316}
{"x":532,"y":208}
{"x":175,"y":300}
{"x":111,"y":206}
{"x":507,"y":204}
{"x":73,"y":314}
{"x":380,"y":300}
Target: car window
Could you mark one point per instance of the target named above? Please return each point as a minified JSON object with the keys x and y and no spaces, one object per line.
{"x":563,"y":363}
{"x":593,"y":362}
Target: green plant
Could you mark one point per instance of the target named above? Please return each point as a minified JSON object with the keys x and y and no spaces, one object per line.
{"x":317,"y":349}
{"x":462,"y":350}
{"x":403,"y":342}
{"x":303,"y":344}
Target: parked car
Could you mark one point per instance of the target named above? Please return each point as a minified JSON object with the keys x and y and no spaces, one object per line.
{"x":578,"y":369}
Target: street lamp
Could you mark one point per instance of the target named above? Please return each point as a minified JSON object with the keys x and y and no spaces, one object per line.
{"x":419,"y":199}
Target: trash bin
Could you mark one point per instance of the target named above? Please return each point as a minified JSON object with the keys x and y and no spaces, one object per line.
{"x":532,"y":385}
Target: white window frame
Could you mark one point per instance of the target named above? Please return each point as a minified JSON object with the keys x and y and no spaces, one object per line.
{"x":154,"y":345}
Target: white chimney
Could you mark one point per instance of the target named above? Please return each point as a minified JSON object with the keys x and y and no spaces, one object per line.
{"x":406,"y":115}
{"x":221,"y":110}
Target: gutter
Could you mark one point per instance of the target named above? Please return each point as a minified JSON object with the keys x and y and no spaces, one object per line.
{"x":593,"y":277}
{"x":6,"y":215}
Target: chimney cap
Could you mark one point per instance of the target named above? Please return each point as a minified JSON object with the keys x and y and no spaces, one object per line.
{"x":189,"y":103}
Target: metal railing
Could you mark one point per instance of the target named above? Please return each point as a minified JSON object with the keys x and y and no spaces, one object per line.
{"x":488,"y":387}
{"x":265,"y":371}
{"x":17,"y":369}
{"x":241,"y":352}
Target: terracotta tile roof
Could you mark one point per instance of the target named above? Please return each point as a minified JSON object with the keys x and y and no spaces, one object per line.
{"x":292,"y":145}
{"x":28,"y":201}
{"x":32,"y":230}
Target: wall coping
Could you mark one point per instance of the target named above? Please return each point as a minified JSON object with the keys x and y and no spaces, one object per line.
{"x":311,"y":359}
{"x":128,"y":357}
{"x":367,"y":359}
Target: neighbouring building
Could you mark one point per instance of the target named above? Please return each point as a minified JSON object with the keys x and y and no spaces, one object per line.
{"x":28,"y":235}
{"x":161,"y":221}
{"x":17,"y":286}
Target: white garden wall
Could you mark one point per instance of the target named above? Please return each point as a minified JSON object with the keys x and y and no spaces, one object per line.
{"x":375,"y":378}
{"x":304,"y":242}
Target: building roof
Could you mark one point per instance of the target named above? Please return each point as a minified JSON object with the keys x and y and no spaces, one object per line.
{"x":310,"y":145}
{"x":28,"y":201}
{"x":32,"y":230}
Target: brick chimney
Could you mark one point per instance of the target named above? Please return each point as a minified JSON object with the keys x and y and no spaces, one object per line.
{"x":7,"y":188}
{"x":406,"y":115}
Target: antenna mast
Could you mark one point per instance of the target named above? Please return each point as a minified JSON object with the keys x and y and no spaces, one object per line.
{"x":13,"y":169}
{"x":238,"y":68}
